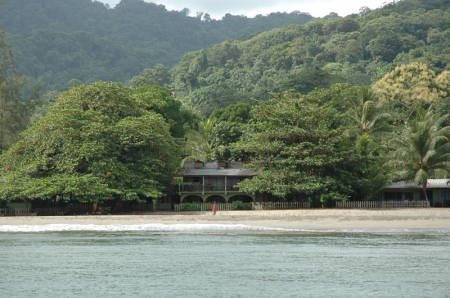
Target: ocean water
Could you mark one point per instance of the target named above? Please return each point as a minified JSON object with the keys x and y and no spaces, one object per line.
{"x":220,"y":261}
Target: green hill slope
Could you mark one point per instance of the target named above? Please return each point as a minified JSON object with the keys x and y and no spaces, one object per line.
{"x":57,"y":41}
{"x":357,"y":49}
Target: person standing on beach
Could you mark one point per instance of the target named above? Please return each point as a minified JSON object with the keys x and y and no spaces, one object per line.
{"x":214,"y":208}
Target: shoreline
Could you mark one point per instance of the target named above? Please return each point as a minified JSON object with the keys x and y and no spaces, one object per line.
{"x":300,"y":219}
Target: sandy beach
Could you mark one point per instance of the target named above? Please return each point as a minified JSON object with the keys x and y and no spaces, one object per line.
{"x":315,"y":219}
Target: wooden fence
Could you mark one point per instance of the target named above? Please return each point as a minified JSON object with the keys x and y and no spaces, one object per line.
{"x":382,"y":204}
{"x":75,"y":208}
{"x":16,"y":212}
{"x":141,"y":207}
{"x":241,"y":206}
{"x":86,"y":208}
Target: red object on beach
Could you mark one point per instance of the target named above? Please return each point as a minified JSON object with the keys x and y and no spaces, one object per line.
{"x":214,"y":209}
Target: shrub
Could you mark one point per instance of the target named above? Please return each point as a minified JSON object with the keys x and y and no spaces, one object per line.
{"x":238,"y":205}
{"x":190,"y":207}
{"x":248,"y":206}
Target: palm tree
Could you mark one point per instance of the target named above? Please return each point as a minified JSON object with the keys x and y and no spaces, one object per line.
{"x":201,"y":143}
{"x":367,"y":121}
{"x":422,"y":150}
{"x":368,"y":125}
{"x":206,"y":130}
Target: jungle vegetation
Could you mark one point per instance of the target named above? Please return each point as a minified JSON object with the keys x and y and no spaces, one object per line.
{"x":331,"y":110}
{"x":359,"y":49}
{"x":57,"y":41}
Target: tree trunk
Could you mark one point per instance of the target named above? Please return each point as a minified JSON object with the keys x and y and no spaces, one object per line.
{"x":425,"y":190}
{"x":118,"y":204}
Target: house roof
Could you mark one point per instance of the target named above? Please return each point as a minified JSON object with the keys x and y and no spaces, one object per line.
{"x":432,"y":183}
{"x":234,"y":168}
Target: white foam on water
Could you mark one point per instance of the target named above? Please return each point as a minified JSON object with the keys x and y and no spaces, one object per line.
{"x":187,"y":228}
{"x":138,"y":227}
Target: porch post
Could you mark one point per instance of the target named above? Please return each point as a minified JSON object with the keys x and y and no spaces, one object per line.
{"x":225,"y":185}
{"x":203,"y":185}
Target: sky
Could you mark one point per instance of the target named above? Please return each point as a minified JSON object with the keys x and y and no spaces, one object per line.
{"x":250,"y":8}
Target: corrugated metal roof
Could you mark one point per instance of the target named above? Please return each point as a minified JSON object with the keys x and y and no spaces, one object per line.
{"x":432,"y":183}
{"x":234,"y":168}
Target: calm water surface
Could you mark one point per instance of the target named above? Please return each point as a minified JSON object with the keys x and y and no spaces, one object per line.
{"x":224,"y":263}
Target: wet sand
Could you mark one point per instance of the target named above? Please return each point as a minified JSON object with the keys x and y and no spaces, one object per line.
{"x":311,"y":219}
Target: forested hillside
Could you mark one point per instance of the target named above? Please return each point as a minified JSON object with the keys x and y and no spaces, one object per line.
{"x":331,"y":110}
{"x":358,"y":49}
{"x":57,"y":41}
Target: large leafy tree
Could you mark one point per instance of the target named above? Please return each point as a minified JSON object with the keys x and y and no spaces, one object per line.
{"x":300,"y":150}
{"x":97,"y":142}
{"x":160,"y":100}
{"x":410,"y":86}
{"x":159,"y":75}
{"x":422,"y":150}
{"x":231,"y":122}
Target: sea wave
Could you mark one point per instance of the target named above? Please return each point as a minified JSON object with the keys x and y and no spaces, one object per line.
{"x":136,"y":227}
{"x":192,"y":228}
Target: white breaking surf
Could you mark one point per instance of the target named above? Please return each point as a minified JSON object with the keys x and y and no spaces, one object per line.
{"x":136,"y":227}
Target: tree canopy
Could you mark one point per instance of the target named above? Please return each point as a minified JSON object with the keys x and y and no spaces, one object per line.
{"x":89,"y":41}
{"x":300,"y":149}
{"x":315,"y":107}
{"x":357,"y":49}
{"x":413,"y":85}
{"x":97,"y":142}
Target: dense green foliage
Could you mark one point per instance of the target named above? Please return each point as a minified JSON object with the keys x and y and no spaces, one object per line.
{"x":301,"y":148}
{"x":57,"y":41}
{"x":98,"y":142}
{"x":16,"y":100}
{"x":230,"y":125}
{"x":161,"y":101}
{"x":422,"y":150}
{"x":331,"y":110}
{"x":210,"y":138}
{"x":357,"y":49}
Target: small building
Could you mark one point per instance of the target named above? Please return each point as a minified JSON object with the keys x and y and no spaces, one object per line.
{"x":437,"y":192}
{"x":214,"y":182}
